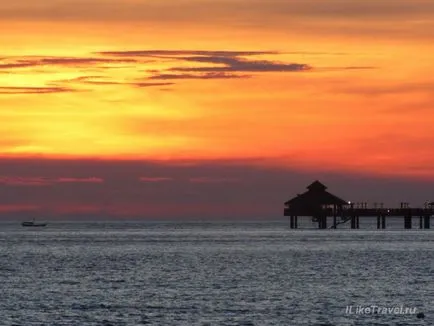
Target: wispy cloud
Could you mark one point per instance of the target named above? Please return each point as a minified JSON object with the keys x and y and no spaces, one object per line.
{"x":226,"y":63}
{"x":213,"y":180}
{"x":359,"y":67}
{"x":206,"y":65}
{"x":44,"y":181}
{"x":178,"y":65}
{"x":150,"y":84}
{"x":12,"y":65}
{"x":155,"y":179}
{"x":92,"y":80}
{"x":103,"y":81}
{"x":25,"y":181}
{"x":171,"y":53}
{"x":79,"y":180}
{"x":34,"y":61}
{"x":11,"y":90}
{"x":240,"y":65}
{"x":209,"y":75}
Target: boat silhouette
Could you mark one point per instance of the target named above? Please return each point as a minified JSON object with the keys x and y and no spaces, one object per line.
{"x":33,"y":223}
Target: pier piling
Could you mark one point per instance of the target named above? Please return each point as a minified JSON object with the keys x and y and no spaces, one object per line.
{"x":353,"y":222}
{"x":322,"y":222}
{"x":427,"y":221}
{"x":407,"y":222}
{"x":293,"y":222}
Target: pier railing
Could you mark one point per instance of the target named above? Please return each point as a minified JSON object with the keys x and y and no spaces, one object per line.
{"x":361,"y":211}
{"x":348,"y":213}
{"x":389,"y":211}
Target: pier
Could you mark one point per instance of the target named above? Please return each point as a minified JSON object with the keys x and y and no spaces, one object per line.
{"x":318,"y":204}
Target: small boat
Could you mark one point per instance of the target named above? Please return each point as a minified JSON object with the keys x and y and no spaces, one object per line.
{"x":33,"y":223}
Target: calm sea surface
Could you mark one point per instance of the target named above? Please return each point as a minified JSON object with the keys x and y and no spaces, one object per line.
{"x":130,"y":273}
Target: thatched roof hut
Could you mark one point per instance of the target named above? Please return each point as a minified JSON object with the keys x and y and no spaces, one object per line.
{"x":315,"y":198}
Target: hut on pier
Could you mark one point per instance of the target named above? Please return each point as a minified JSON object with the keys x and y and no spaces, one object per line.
{"x":316,"y":202}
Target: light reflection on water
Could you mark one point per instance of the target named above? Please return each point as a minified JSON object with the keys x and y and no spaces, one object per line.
{"x":131,"y":273}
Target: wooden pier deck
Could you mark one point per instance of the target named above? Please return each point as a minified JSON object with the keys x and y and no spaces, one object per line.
{"x":353,"y":216}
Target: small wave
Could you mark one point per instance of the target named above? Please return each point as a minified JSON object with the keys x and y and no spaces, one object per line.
{"x":81,"y":306}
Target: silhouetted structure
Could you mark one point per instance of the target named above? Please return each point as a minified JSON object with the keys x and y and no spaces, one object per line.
{"x":318,"y":203}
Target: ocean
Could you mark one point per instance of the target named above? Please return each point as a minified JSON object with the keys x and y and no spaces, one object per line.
{"x":215,"y":273}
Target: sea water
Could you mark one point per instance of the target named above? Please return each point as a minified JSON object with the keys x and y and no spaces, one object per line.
{"x":243,"y":273}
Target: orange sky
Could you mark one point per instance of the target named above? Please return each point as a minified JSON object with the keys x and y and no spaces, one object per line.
{"x":318,"y":85}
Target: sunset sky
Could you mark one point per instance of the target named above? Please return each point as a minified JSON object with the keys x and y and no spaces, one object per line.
{"x":212,"y":109}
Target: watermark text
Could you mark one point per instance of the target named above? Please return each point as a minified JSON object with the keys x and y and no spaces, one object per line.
{"x":376,"y":309}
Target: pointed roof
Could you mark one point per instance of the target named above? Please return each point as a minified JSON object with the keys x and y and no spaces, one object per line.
{"x":316,"y":186}
{"x":316,"y":195}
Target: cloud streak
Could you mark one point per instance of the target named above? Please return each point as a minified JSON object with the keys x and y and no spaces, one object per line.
{"x":171,"y":53}
{"x":12,"y":90}
{"x":211,"y":180}
{"x":208,"y":75}
{"x":25,"y":62}
{"x":155,"y":179}
{"x":240,"y":65}
{"x":227,"y":64}
{"x":103,"y":81}
{"x":228,"y":67}
{"x":150,"y":84}
{"x":45,"y":181}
